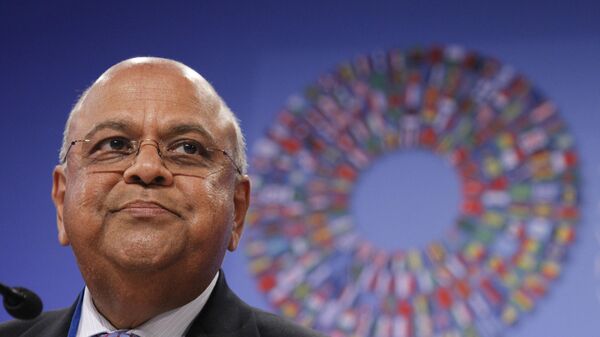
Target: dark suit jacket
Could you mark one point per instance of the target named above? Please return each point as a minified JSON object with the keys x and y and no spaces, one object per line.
{"x":224,"y":315}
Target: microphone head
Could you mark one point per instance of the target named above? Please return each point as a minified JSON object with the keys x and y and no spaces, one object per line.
{"x":29,"y":307}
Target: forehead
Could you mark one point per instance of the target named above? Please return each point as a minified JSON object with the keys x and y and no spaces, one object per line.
{"x":151,"y":99}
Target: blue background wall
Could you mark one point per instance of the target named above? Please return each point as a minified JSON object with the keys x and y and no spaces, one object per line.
{"x":256,"y":54}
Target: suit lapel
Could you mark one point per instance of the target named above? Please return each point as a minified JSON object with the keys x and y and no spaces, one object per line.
{"x":224,"y":315}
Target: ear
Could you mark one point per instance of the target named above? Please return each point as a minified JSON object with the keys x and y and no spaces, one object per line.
{"x":58,"y":197}
{"x":241,"y":201}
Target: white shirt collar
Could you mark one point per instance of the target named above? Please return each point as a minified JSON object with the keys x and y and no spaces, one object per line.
{"x":172,"y":323}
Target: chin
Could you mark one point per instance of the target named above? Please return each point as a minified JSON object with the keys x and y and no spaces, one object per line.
{"x":143,"y":248}
{"x":146,"y":259}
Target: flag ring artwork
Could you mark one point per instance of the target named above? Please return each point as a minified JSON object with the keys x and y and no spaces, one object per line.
{"x":518,"y":170}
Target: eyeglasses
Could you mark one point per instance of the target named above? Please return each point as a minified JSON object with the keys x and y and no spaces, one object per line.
{"x":185,"y":156}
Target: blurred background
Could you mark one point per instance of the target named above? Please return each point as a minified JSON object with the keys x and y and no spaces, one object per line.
{"x":257,"y":54}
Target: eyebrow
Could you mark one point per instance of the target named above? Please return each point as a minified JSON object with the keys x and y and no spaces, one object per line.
{"x":125,"y":126}
{"x":189,"y":128}
{"x":120,"y":125}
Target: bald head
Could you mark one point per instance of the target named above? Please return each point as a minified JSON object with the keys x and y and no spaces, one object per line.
{"x":161,"y":75}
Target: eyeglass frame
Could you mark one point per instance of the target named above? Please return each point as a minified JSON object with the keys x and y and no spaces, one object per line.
{"x":139,"y":146}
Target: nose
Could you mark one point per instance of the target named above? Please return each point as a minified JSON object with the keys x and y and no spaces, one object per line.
{"x":148,"y":168}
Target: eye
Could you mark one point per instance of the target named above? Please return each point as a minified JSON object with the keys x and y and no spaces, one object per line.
{"x":189,"y":147}
{"x":114,"y":144}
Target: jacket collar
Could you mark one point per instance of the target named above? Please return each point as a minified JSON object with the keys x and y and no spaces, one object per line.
{"x":224,"y":315}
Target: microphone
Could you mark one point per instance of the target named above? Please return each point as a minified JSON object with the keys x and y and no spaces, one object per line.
{"x":21,"y":303}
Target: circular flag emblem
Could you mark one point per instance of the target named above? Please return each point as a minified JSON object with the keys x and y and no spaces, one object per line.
{"x":519,"y":184}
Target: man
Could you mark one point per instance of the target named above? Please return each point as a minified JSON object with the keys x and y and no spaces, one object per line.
{"x":150,"y":192}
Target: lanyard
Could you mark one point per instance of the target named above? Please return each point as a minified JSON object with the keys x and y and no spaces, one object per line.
{"x":76,"y":317}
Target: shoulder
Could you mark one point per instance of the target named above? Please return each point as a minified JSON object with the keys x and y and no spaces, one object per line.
{"x":48,"y":322}
{"x":270,"y":324}
{"x":15,"y":327}
{"x":225,"y":314}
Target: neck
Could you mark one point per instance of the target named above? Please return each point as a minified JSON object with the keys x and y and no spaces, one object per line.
{"x":130,"y":301}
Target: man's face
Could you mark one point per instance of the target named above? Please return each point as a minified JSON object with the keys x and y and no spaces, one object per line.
{"x":146,"y":219}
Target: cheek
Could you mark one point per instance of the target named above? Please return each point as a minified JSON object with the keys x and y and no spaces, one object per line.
{"x":85,"y":205}
{"x":205,"y":197}
{"x":210,"y":207}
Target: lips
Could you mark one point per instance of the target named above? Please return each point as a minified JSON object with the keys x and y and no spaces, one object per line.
{"x":145,"y":208}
